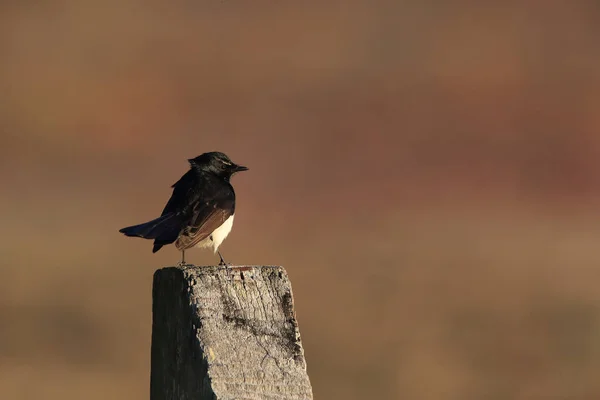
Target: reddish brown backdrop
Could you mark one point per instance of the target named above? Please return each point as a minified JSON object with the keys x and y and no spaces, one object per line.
{"x":426,"y":171}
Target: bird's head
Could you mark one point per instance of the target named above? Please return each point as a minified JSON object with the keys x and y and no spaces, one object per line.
{"x":217,"y":163}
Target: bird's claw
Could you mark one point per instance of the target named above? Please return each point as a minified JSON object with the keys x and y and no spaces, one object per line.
{"x":222,"y":263}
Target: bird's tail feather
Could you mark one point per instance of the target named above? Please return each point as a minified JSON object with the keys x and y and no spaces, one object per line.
{"x":164,"y":230}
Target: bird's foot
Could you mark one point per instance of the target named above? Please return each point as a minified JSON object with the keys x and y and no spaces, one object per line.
{"x":182,"y":263}
{"x":222,"y":263}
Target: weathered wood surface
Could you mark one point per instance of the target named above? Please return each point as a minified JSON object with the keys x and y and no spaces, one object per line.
{"x":225,"y":334}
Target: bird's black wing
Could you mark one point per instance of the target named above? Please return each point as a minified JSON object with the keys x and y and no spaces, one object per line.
{"x":166,"y":228}
{"x":185,"y":192}
{"x":206,"y":217}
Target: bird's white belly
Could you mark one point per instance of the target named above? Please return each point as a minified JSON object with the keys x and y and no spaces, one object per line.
{"x":216,"y":238}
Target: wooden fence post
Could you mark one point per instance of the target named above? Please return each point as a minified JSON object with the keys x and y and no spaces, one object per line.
{"x":225,"y":333}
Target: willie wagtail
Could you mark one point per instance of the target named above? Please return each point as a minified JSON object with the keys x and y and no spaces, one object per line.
{"x":201,"y":209}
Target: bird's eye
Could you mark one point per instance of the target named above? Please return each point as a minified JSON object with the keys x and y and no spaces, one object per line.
{"x":225,"y":162}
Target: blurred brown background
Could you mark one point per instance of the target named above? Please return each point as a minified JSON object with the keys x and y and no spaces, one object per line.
{"x":426,"y":171}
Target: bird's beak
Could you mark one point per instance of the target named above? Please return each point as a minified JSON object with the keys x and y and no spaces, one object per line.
{"x":239,"y":168}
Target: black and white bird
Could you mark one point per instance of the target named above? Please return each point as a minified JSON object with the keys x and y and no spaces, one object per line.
{"x":200,"y":211}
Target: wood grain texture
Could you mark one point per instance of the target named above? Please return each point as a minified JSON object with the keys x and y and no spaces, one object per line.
{"x":225,"y":333}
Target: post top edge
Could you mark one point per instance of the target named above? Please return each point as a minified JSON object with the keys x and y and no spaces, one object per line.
{"x":215,"y":268}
